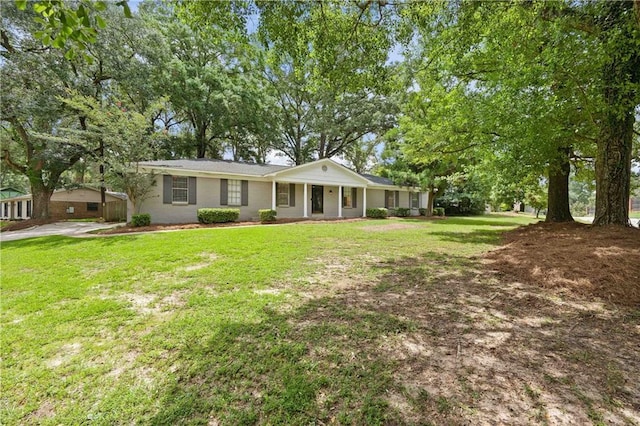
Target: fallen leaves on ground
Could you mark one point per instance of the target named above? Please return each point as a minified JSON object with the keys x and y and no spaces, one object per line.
{"x":595,"y":261}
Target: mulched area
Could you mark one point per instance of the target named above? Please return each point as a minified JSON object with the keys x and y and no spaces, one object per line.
{"x":25,"y":224}
{"x":602,"y":262}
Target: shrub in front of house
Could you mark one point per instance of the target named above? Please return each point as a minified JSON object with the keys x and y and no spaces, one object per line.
{"x":143,"y":219}
{"x":422,"y":211}
{"x":267,"y":215}
{"x":403,"y":211}
{"x":438,"y":211}
{"x":377,"y":213}
{"x":207,"y":216}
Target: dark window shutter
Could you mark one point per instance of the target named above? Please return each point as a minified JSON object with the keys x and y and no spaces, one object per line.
{"x":397,"y":199}
{"x":244,"y":194}
{"x":224,"y":192}
{"x":167,"y":189}
{"x":192,"y":191}
{"x":292,"y":195}
{"x":354,"y":197}
{"x":386,"y":199}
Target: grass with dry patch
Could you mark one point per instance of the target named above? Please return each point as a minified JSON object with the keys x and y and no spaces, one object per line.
{"x":370,"y":322}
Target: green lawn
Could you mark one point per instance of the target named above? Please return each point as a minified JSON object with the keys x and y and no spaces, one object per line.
{"x":266,"y":324}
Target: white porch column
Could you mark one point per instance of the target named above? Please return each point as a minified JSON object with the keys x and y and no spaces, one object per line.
{"x":364,"y":201}
{"x":273,"y":196}
{"x":306,"y":200}
{"x":339,"y":200}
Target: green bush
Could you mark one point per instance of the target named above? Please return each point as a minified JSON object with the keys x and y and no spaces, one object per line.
{"x":267,"y":215}
{"x":438,"y":211}
{"x":143,"y":219}
{"x":218,"y":215}
{"x":403,"y":212}
{"x":377,"y":213}
{"x":423,"y":212}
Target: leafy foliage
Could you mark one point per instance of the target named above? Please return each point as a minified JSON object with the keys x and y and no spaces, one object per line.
{"x":218,"y":215}
{"x":377,"y":213}
{"x":402,"y":212}
{"x":329,"y":94}
{"x":70,"y":26}
{"x":142,"y":219}
{"x":267,"y":215}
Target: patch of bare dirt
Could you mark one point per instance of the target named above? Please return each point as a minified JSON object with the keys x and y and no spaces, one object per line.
{"x":602,"y":262}
{"x":393,"y":226}
{"x":486,"y":349}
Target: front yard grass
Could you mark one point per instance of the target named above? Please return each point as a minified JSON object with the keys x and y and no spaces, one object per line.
{"x":369,"y":322}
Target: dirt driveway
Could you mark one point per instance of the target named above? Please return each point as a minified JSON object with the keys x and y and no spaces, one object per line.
{"x":72,"y":229}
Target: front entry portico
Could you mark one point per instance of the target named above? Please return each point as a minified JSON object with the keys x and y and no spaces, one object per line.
{"x":333,"y":191}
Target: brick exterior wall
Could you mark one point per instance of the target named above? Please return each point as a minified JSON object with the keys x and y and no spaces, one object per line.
{"x":116,"y":210}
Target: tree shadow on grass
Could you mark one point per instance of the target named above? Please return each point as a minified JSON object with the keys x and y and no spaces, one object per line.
{"x":61,"y":241}
{"x":433,"y":338}
{"x":473,"y":237}
{"x":479,"y":221}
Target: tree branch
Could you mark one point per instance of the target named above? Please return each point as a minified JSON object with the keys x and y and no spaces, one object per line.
{"x":6,"y":156}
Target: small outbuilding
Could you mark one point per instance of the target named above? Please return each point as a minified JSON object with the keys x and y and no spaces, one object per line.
{"x":76,"y":203}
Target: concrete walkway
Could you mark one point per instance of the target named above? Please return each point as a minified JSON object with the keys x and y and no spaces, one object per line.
{"x":589,"y":220}
{"x":71,"y":229}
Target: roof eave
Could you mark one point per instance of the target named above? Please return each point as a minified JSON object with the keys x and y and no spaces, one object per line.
{"x":198,"y":173}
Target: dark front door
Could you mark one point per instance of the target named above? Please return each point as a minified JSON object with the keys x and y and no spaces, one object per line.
{"x":317,"y":199}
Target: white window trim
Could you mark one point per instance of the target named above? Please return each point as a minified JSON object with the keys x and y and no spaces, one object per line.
{"x":417,"y":195}
{"x":236,"y":184}
{"x":278,"y":193}
{"x":173,"y":189}
{"x":347,"y":192}
{"x":396,"y":201}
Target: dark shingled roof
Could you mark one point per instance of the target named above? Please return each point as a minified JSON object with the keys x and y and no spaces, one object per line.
{"x":226,"y":166}
{"x":377,"y":179}
{"x":219,"y":166}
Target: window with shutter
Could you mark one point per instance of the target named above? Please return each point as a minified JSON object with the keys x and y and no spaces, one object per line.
{"x":415,"y":200}
{"x":282,"y":191}
{"x":180,"y":189}
{"x":234,"y":194}
{"x":347,"y":197}
{"x":391,"y":200}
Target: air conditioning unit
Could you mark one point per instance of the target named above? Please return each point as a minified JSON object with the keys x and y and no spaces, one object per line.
{"x":70,"y":210}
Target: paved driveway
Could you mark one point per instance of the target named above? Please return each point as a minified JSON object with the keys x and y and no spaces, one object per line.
{"x":72,"y":229}
{"x":634,"y":222}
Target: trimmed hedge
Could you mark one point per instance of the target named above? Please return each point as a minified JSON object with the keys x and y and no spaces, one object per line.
{"x":143,"y":219}
{"x":377,"y":213}
{"x":267,"y":215}
{"x":423,"y":212}
{"x":218,"y":215}
{"x":438,"y":211}
{"x":403,"y":212}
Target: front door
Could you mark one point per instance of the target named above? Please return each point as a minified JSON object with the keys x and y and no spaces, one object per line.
{"x":317,"y":199}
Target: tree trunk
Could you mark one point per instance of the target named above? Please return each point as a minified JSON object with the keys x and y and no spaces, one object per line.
{"x":558,"y":195}
{"x":613,"y":171}
{"x":41,"y":196}
{"x":432,"y":199}
{"x":620,"y":77}
{"x":201,"y":142}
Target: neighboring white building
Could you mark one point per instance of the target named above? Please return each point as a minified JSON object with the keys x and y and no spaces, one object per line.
{"x":321,"y":189}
